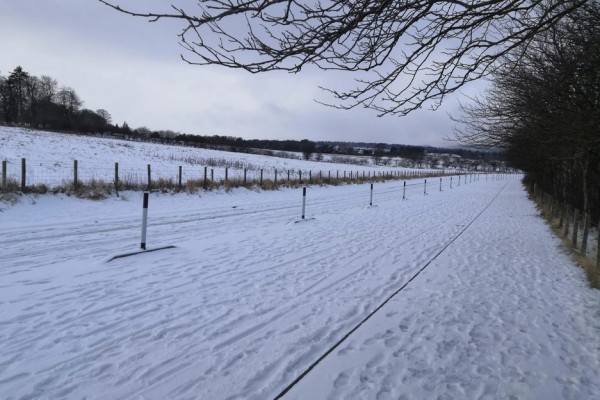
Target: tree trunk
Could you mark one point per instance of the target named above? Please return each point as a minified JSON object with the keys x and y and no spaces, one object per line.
{"x":586,"y":232}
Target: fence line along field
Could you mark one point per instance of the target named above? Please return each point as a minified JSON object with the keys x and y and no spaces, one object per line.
{"x":27,"y":178}
{"x":36,"y":158}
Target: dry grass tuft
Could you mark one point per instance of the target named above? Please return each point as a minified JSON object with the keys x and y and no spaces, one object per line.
{"x":585,"y":262}
{"x":590,"y":268}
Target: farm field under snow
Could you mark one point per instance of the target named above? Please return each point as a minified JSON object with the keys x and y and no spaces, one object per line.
{"x":50,"y":160}
{"x":491,"y":308}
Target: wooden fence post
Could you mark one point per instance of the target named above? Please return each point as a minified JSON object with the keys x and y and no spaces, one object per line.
{"x":179,"y":177}
{"x":75,"y":173}
{"x":226,"y":174}
{"x":23,"y":174}
{"x":275,"y":179}
{"x":149,"y":177}
{"x":212,"y":175}
{"x":4,"y":175}
{"x":300,"y":175}
{"x":261,"y":178}
{"x":117,"y":178}
{"x":205,"y":184}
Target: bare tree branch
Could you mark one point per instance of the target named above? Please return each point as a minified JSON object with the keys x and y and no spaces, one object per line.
{"x":405,"y":54}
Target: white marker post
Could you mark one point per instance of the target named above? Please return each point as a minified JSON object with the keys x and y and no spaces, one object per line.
{"x":143,"y":244}
{"x":371,"y":201}
{"x":303,"y":201}
{"x":144,"y":221}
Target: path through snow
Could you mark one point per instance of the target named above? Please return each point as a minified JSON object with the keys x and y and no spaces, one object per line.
{"x":250,"y":299}
{"x":501,"y":314}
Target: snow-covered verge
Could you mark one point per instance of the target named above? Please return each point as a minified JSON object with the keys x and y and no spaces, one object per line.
{"x":49,"y":160}
{"x":249,"y":299}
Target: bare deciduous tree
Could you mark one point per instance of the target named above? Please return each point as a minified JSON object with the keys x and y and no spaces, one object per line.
{"x":69,"y":99}
{"x":48,"y":88}
{"x":105,"y":115}
{"x":543,"y":110}
{"x":404,"y":54}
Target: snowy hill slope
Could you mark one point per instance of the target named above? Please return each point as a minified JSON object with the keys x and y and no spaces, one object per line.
{"x":50,"y":160}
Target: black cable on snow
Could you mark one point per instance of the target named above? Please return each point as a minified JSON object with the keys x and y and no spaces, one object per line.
{"x":347,"y":335}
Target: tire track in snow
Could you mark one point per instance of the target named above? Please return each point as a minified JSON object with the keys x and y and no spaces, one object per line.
{"x":164,"y":219}
{"x":324,"y":250}
{"x":370,"y":315}
{"x":108,"y":345}
{"x":267,"y":319}
{"x":45,"y":232}
{"x":123,"y":231}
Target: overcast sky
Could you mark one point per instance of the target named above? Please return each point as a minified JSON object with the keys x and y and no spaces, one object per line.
{"x":132,"y":68}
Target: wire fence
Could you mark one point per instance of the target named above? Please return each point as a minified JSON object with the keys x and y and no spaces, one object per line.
{"x":25,"y":174}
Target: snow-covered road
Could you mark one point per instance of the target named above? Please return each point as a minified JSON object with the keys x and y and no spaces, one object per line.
{"x":250,"y":299}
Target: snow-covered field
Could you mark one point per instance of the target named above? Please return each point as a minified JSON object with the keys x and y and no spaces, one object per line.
{"x":49,"y":160}
{"x":491,"y":307}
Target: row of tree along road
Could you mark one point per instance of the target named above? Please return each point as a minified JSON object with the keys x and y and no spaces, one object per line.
{"x":543,"y":110}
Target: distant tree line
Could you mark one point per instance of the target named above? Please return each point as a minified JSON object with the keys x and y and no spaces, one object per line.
{"x":40,"y":102}
{"x":543,"y":110}
{"x":315,"y":149}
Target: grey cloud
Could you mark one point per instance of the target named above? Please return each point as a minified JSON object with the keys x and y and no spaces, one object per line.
{"x":132,"y":68}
